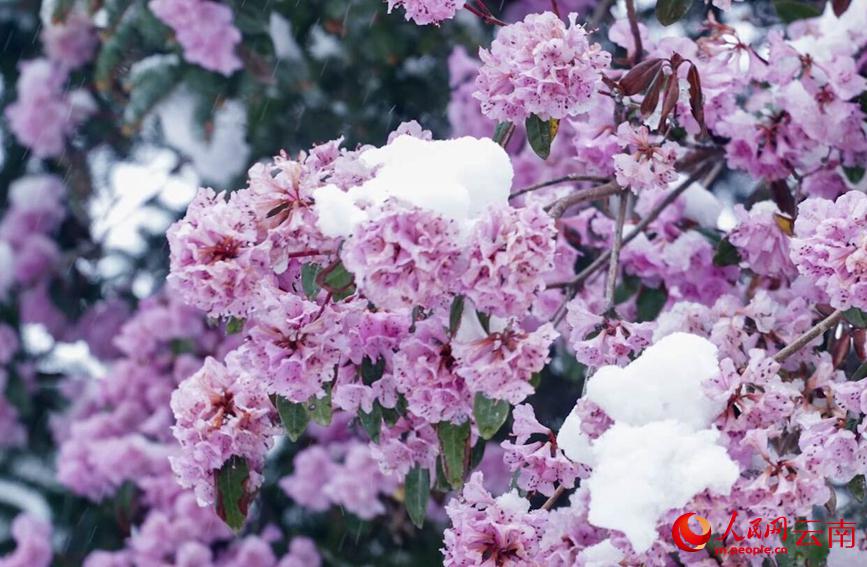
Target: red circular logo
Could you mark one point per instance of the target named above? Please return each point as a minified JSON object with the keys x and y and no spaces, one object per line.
{"x":685,"y":538}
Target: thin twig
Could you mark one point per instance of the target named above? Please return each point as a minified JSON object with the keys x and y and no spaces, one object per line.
{"x":600,"y":260}
{"x":572,"y":177}
{"x":636,"y":32}
{"x":818,"y":329}
{"x":557,"y":208}
{"x":614,"y":262}
{"x":549,"y":503}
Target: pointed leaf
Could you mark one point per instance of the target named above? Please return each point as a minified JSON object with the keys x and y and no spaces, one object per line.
{"x":233,"y":500}
{"x":455,"y":313}
{"x":670,"y":11}
{"x":540,"y":134}
{"x":293,"y":416}
{"x":783,"y":197}
{"x":669,"y":101}
{"x":490,"y":414}
{"x":503,"y":133}
{"x":320,"y":408}
{"x":840,"y":6}
{"x":416,"y":494}
{"x":651,"y":98}
{"x":639,"y":77}
{"x":455,"y":450}
{"x":650,"y":302}
{"x":696,"y":97}
{"x":308,"y":280}
{"x":372,"y":422}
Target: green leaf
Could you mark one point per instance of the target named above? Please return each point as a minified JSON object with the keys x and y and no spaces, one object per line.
{"x":416,"y":494}
{"x":855,"y":174}
{"x":670,"y":11}
{"x":320,"y":408}
{"x":293,"y":416}
{"x":233,"y":500}
{"x":371,"y":372}
{"x":858,"y":487}
{"x":308,"y":280}
{"x":860,"y":373}
{"x":147,"y":88}
{"x":541,"y":134}
{"x":650,"y":302}
{"x":490,"y":414}
{"x":477,"y":453}
{"x":804,"y":555}
{"x":503,"y":132}
{"x":234,"y":325}
{"x":856,"y":317}
{"x":627,"y":288}
{"x":455,"y":450}
{"x":793,"y":10}
{"x":455,"y":313}
{"x":372,"y":422}
{"x":726,"y":254}
{"x":337,"y":280}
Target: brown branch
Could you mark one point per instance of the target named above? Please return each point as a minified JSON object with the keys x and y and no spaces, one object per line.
{"x":557,"y":208}
{"x":549,"y":503}
{"x":818,"y":329}
{"x":611,"y":284}
{"x":600,"y":260}
{"x":636,"y":32}
{"x":573,"y":177}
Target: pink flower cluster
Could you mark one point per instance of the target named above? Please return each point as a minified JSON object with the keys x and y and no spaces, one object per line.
{"x":540,"y":66}
{"x":424,"y":12}
{"x":830,"y":247}
{"x":44,"y":116}
{"x":205,"y":31}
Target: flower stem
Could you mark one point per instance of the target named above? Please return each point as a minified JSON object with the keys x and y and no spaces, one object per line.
{"x":614,"y":262}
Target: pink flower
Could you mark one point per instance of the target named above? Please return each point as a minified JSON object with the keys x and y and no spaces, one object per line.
{"x":598,"y":341}
{"x":71,"y":42}
{"x":540,"y":66}
{"x":405,"y":257}
{"x":44,"y":115}
{"x":830,"y":247}
{"x":541,"y":464}
{"x":294,"y":345}
{"x":213,"y":262}
{"x":425,"y":373}
{"x":510,"y":252}
{"x":33,"y":543}
{"x":424,"y":12}
{"x":220,"y":412}
{"x":501,"y":363}
{"x":760,"y":238}
{"x":648,"y":162}
{"x":205,"y":31}
{"x":488,"y":531}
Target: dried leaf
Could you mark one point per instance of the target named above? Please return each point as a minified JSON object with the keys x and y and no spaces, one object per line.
{"x":639,"y":77}
{"x":786,"y":224}
{"x":672,"y":92}
{"x":651,"y":99}
{"x":840,"y":6}
{"x":696,"y":97}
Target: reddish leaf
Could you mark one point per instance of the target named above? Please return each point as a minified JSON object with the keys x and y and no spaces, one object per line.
{"x":669,"y":101}
{"x":651,"y":98}
{"x":696,"y":98}
{"x":840,"y":350}
{"x":859,"y":341}
{"x":783,"y":197}
{"x":840,"y":6}
{"x":639,"y":77}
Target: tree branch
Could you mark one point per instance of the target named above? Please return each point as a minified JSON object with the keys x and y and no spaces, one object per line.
{"x":802,"y":341}
{"x":611,"y":284}
{"x":636,"y":32}
{"x":557,"y":208}
{"x":549,"y":503}
{"x":556,"y":181}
